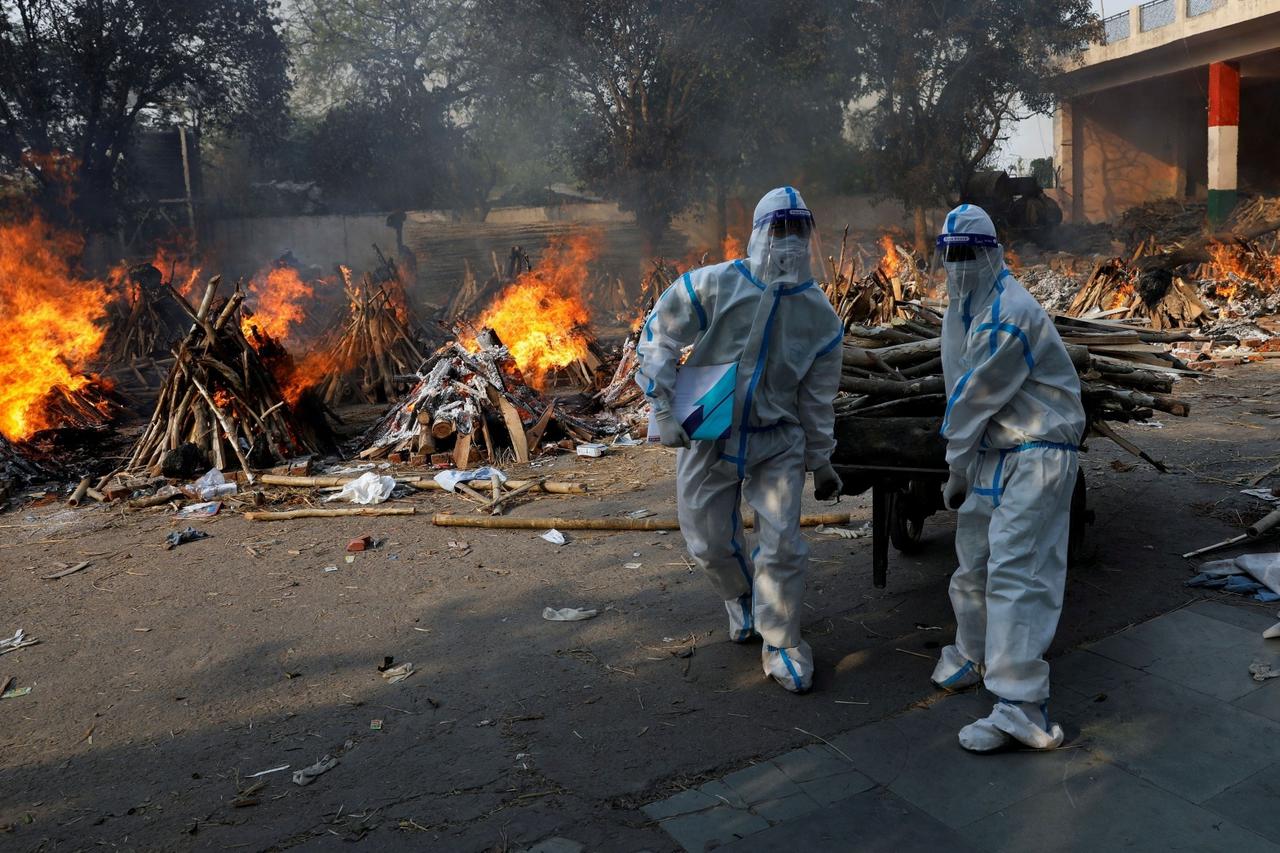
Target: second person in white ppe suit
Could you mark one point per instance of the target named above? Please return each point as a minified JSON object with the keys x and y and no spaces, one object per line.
{"x":768,"y":421}
{"x":1013,"y":424}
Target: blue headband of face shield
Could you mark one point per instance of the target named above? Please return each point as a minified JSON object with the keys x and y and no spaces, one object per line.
{"x":957,"y":248}
{"x":795,"y":221}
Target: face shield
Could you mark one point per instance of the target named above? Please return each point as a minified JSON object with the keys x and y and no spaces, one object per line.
{"x":784,"y":246}
{"x":970,"y":261}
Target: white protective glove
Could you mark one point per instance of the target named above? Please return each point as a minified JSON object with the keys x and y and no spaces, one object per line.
{"x":826,"y":483}
{"x":669,"y":430}
{"x":955,"y":490}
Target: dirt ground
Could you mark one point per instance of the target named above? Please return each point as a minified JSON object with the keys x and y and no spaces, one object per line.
{"x":165,"y":679}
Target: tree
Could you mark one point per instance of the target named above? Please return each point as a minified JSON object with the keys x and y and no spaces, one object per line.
{"x":78,"y":77}
{"x":386,"y":85}
{"x":939,"y":81}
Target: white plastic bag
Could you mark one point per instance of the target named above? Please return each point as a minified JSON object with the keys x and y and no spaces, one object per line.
{"x":368,"y":488}
{"x":567,"y":614}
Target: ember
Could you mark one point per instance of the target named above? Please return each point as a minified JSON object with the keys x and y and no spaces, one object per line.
{"x":542,"y":315}
{"x":50,"y":324}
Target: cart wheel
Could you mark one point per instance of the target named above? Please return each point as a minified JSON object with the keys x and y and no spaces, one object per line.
{"x":1081,"y":517}
{"x":905,"y":526}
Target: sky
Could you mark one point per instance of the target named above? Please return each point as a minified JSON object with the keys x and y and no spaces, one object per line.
{"x":1034,"y":137}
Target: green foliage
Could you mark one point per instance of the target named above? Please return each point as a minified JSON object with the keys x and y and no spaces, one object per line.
{"x":939,"y":81}
{"x":79,"y":77}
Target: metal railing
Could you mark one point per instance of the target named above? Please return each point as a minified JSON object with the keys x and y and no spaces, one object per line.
{"x":1156,"y":14}
{"x":1203,"y":7}
{"x":1116,"y":28}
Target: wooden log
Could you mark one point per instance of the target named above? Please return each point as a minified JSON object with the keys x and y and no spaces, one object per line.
{"x":443,"y":428}
{"x":891,"y":387}
{"x":906,"y":442}
{"x":1139,"y":399}
{"x":1104,"y":430}
{"x":291,"y":514}
{"x":77,"y":495}
{"x":506,"y":522}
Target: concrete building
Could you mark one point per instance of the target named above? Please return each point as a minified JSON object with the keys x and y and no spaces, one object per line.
{"x":1181,"y":100}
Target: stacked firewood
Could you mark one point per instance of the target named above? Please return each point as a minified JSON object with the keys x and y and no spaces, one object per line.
{"x":142,"y":328}
{"x":897,"y":370}
{"x":473,"y":406}
{"x":1122,"y":290}
{"x":220,"y":401}
{"x":472,"y":294}
{"x":373,"y":347}
{"x":875,"y":297}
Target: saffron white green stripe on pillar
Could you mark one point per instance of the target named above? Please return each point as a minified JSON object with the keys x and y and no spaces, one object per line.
{"x":1224,"y":139}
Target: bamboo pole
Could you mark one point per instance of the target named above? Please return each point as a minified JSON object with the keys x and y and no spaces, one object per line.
{"x":77,"y":496}
{"x":1267,"y":522}
{"x":442,"y":519}
{"x":329,"y":513}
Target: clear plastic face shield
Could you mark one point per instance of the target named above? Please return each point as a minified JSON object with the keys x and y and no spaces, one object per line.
{"x":968,"y":261}
{"x":784,"y":247}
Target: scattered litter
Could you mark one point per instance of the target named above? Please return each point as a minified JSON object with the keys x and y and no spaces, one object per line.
{"x":307,"y":775}
{"x":1249,"y":574}
{"x":920,"y":626}
{"x":350,"y":558}
{"x":595,"y":451}
{"x":181,"y":537}
{"x":206,"y":509}
{"x":1262,"y":495}
{"x":15,"y":693}
{"x":449,"y":480}
{"x":1147,"y":424}
{"x":363,"y":543}
{"x":640,"y":513}
{"x":483,"y":723}
{"x":631,"y":565}
{"x":567,"y":614}
{"x":398,"y":673}
{"x":368,"y":488}
{"x":1272,"y":632}
{"x":459,"y":545}
{"x":265,"y":772}
{"x":212,"y":485}
{"x":843,"y":532}
{"x":555,"y":537}
{"x":1262,"y":671}
{"x":375,"y":725}
{"x":330,"y":568}
{"x":78,"y":567}
{"x":624,"y":439}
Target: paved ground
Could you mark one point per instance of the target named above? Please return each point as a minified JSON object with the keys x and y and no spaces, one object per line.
{"x":1171,"y":746}
{"x":164,"y":679}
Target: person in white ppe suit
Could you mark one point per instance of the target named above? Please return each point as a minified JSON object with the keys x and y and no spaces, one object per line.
{"x":763,"y":327}
{"x":1013,"y":425}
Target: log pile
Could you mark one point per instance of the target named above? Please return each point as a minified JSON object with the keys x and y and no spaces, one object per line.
{"x":142,"y":328}
{"x":473,"y":406}
{"x":897,"y":371}
{"x":1121,"y":290}
{"x":220,"y":400}
{"x":372,"y":348}
{"x":877,"y":297}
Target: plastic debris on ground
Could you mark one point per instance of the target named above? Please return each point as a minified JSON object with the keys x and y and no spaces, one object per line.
{"x":330,"y":569}
{"x":1262,"y":671}
{"x":449,"y":480}
{"x":206,"y":509}
{"x":212,"y":485}
{"x":307,"y":775}
{"x":625,"y":440}
{"x":843,"y":532}
{"x":398,"y":673}
{"x":567,"y":614}
{"x":368,"y":488}
{"x":631,"y":565}
{"x":641,"y":513}
{"x":15,"y":693}
{"x":555,"y":537}
{"x":181,"y":537}
{"x":592,"y":450}
{"x":1257,"y":575}
{"x":265,"y":772}
{"x":1272,"y":632}
{"x":1262,"y":495}
{"x":18,"y":641}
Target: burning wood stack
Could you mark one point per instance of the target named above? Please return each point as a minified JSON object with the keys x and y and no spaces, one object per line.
{"x":877,"y":297}
{"x":143,"y":326}
{"x":897,"y":371}
{"x":220,"y":400}
{"x":372,"y":348}
{"x":472,"y":406}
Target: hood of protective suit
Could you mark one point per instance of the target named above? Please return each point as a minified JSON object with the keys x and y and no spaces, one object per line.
{"x":785,"y":260}
{"x":969,"y":225}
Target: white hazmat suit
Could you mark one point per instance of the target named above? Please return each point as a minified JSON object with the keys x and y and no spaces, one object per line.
{"x":766,"y":317}
{"x":1013,"y":424}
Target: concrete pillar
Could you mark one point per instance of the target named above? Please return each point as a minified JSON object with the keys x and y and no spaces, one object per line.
{"x":1224,"y":139}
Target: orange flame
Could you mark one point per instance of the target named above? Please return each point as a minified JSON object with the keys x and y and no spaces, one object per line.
{"x":1121,"y":298}
{"x":1227,"y":261}
{"x":308,"y":373}
{"x":49,"y":323}
{"x":890,"y":264}
{"x":541,"y":315}
{"x":731,"y":247}
{"x":276,"y":296}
